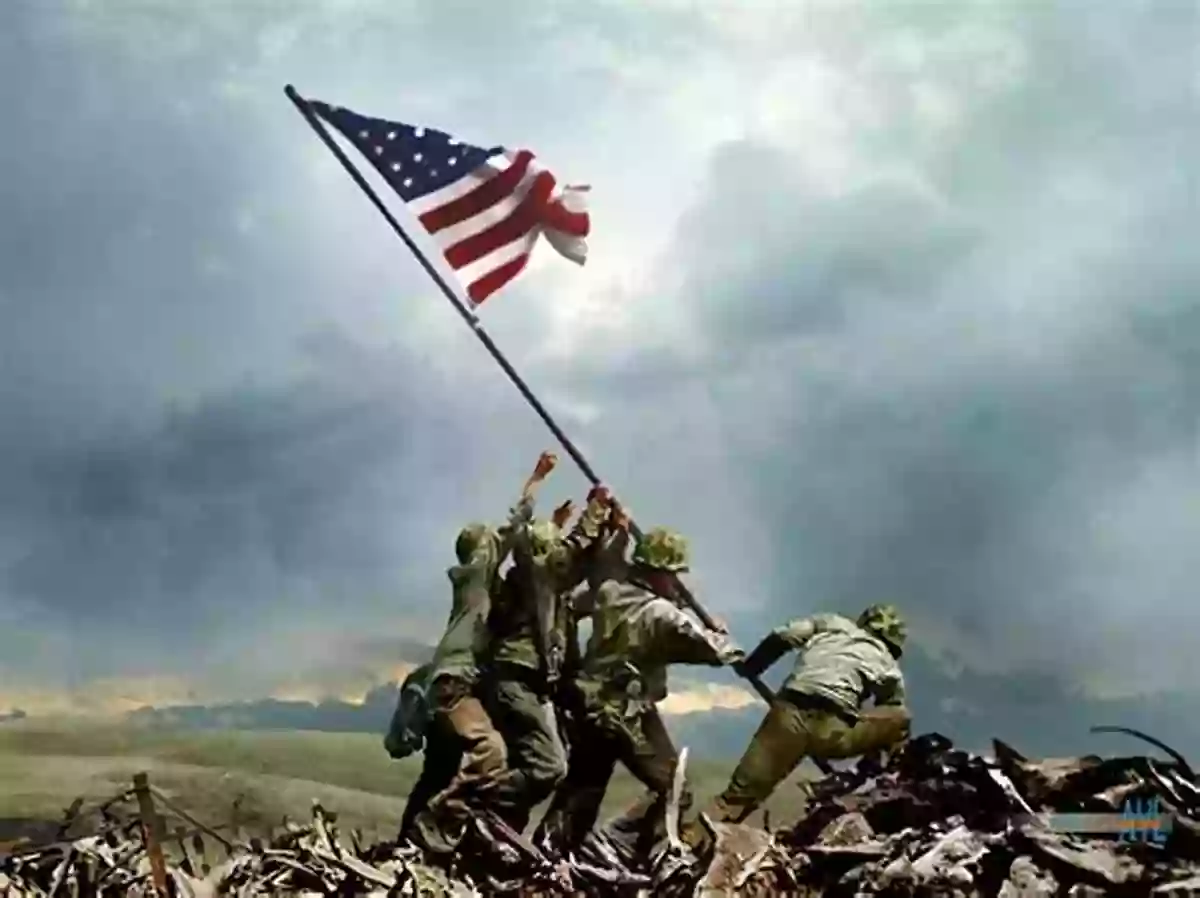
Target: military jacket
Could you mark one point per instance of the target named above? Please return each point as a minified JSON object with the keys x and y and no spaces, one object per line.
{"x":466,"y":636}
{"x":841,"y":662}
{"x":635,"y":636}
{"x":530,"y":621}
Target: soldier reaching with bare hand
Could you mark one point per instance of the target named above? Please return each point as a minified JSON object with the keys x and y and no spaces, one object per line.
{"x":819,"y":712}
{"x":638,"y":630}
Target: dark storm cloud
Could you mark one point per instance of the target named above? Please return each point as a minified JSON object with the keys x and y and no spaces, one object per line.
{"x":833,"y":253}
{"x":182,"y":464}
{"x":120,"y":262}
{"x":250,"y":502}
{"x":973,"y":372}
{"x":964,"y":376}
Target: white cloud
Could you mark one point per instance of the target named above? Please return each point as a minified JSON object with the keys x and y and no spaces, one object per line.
{"x":824,"y":235}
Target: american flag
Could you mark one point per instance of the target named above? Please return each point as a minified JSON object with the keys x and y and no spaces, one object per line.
{"x":483,"y":207}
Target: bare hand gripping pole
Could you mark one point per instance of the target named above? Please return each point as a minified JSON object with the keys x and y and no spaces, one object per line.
{"x":473,"y":322}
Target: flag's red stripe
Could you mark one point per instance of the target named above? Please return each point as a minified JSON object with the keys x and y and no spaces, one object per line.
{"x":517,"y":225}
{"x":482,"y":197}
{"x":496,"y":278}
{"x":558,"y":217}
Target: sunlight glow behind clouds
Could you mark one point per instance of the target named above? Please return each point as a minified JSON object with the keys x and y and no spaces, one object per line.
{"x":865,"y":278}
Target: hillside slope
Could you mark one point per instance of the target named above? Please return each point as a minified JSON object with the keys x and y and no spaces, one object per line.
{"x":45,"y":765}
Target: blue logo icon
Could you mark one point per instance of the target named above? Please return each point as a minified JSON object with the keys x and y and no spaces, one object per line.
{"x":1141,"y":821}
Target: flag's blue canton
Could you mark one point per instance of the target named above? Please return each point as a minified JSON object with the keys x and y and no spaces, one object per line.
{"x":415,"y":161}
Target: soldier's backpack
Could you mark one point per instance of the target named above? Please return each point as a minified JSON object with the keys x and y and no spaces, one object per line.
{"x":406,"y":734}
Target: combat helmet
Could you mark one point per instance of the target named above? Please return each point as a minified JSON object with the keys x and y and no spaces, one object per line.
{"x":663,"y":550}
{"x":885,"y":622}
{"x":546,"y":541}
{"x":471,"y":537}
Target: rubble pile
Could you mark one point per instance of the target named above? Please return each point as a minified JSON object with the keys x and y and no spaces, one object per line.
{"x":941,"y":821}
{"x":311,"y":859}
{"x":933,"y":821}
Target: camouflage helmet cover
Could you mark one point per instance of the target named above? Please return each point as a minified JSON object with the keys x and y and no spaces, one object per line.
{"x":663,"y":550}
{"x":471,"y":537}
{"x":885,"y":622}
{"x":546,"y":541}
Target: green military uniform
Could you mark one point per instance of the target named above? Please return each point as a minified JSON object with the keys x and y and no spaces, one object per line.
{"x":636,"y":634}
{"x":818,"y":712}
{"x":463,"y":739}
{"x":532,"y":636}
{"x":409,"y":733}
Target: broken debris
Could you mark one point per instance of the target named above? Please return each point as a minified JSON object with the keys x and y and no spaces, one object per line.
{"x":935,"y":820}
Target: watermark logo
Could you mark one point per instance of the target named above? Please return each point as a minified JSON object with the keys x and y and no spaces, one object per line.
{"x":1140,"y":820}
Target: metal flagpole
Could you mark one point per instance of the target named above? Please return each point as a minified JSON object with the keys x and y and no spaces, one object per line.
{"x":472,"y":321}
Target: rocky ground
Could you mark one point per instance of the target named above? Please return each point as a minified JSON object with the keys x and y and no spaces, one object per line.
{"x":933,"y":821}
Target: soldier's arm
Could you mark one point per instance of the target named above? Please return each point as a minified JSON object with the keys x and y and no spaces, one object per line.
{"x":521,"y":545}
{"x":583,"y":600}
{"x":518,"y":538}
{"x":516,"y":528}
{"x":481,"y":567}
{"x":608,"y":560}
{"x":476,"y":600}
{"x":591,"y":521}
{"x":791,"y":636}
{"x":890,"y":693}
{"x":595,"y":530}
{"x":891,"y":718}
{"x":672,"y":636}
{"x":406,"y":732}
{"x":514,"y":536}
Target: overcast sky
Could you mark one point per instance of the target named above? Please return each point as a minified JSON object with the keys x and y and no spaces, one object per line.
{"x":887,"y":301}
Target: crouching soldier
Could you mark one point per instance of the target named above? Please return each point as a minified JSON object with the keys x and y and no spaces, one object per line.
{"x":466,"y":752}
{"x":638,"y":630}
{"x":818,"y":713}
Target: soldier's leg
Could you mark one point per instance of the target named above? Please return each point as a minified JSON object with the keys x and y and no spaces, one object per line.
{"x":438,"y":766}
{"x":478,"y":756}
{"x":536,"y":757}
{"x":651,"y":757}
{"x":786,"y":735}
{"x":577,"y":800}
{"x":877,"y":729}
{"x":483,"y":756}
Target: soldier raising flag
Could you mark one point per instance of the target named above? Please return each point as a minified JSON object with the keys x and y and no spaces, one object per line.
{"x":484,"y":209}
{"x":638,"y":630}
{"x":502,"y":206}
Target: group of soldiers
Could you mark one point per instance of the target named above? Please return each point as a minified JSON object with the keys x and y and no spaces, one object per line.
{"x":511,"y":711}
